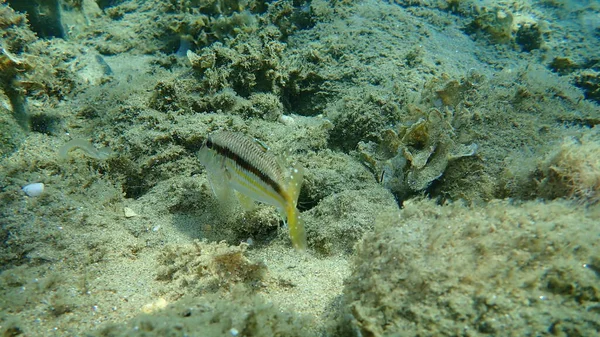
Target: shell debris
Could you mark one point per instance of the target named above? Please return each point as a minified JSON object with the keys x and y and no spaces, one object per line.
{"x":129,"y":213}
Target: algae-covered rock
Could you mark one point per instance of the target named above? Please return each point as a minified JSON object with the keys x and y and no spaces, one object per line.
{"x":494,"y":23}
{"x":529,"y":37}
{"x":573,"y":169}
{"x":341,"y":219}
{"x":11,"y":134}
{"x":499,"y":270}
{"x":569,"y":169}
{"x":411,"y":158}
{"x":12,"y":92}
{"x":589,"y":82}
{"x":253,"y":66}
{"x":360,"y":117}
{"x":328,"y":173}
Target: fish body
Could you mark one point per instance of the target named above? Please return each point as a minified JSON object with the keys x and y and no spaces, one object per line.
{"x":236,"y":162}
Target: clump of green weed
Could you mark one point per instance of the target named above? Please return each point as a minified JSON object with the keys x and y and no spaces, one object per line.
{"x":573,"y":170}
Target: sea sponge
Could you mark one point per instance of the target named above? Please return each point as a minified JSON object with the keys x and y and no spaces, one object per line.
{"x":573,"y":170}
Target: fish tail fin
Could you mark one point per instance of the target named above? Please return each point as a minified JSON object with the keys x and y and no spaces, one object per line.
{"x":296,"y":228}
{"x":294,"y":221}
{"x":295,"y":182}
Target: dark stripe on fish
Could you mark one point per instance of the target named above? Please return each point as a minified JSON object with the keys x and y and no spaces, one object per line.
{"x":243,"y":163}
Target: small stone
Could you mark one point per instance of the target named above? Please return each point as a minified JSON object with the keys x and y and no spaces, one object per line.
{"x":286,"y":120}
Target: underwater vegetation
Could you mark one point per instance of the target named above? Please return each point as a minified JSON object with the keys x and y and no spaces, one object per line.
{"x":423,"y":151}
{"x":449,"y":154}
{"x":573,"y":170}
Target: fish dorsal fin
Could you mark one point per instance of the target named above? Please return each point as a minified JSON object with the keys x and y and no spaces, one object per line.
{"x":264,"y":146}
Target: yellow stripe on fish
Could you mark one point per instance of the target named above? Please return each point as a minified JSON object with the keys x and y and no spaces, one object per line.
{"x":235,"y":161}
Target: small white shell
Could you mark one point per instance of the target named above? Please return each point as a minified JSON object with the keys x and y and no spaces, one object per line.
{"x":34,"y":190}
{"x":286,"y":120}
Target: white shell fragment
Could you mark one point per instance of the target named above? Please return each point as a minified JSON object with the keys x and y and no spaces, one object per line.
{"x":193,"y":57}
{"x":159,"y":304}
{"x":129,"y":213}
{"x":34,"y":190}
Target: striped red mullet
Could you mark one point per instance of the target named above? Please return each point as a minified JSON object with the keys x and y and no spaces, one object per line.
{"x":235,"y":161}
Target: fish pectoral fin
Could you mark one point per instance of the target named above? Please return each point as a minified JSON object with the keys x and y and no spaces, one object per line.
{"x":246,"y":202}
{"x":220,"y":186}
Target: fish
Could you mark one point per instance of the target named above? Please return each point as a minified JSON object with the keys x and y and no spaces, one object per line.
{"x":234,"y":161}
